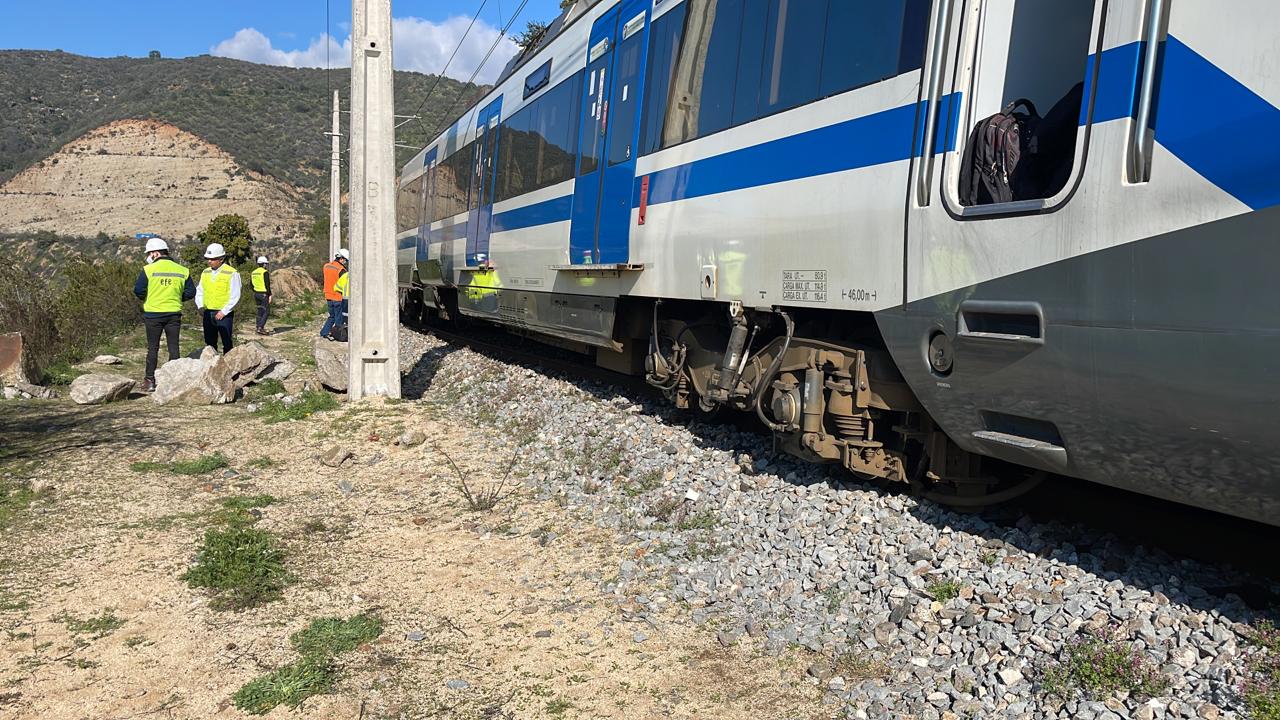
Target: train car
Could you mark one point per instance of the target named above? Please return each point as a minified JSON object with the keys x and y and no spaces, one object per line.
{"x":791,"y":208}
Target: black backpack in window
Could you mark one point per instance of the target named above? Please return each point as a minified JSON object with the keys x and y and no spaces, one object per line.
{"x":997,"y":152}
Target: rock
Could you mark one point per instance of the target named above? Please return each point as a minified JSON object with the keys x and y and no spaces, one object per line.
{"x":1009,"y":676}
{"x":639,"y":637}
{"x":336,"y":455}
{"x":35,"y":391}
{"x":457,"y":684}
{"x":99,"y":388}
{"x":248,"y":363}
{"x":726,"y":638}
{"x":345,"y":487}
{"x":107,"y":360}
{"x":16,"y":364}
{"x":412,"y":438}
{"x":542,"y":634}
{"x":1209,"y":711}
{"x":203,"y":381}
{"x":415,"y":636}
{"x":280,"y":371}
{"x":332,"y":362}
{"x":13,"y":393}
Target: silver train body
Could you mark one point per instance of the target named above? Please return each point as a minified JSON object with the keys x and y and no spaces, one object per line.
{"x":760,"y":204}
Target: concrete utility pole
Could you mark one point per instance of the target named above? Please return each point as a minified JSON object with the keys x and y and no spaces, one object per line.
{"x":374,"y":322}
{"x":335,"y":183}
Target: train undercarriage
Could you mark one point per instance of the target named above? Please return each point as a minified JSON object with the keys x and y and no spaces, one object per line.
{"x":821,"y":382}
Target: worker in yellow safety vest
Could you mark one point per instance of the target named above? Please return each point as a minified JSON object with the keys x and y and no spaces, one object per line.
{"x":216,"y":296}
{"x":162,"y":286}
{"x":261,"y":280}
{"x":342,"y":286}
{"x":332,"y":271}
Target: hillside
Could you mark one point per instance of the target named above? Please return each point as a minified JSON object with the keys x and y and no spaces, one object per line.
{"x":270,"y":119}
{"x":145,"y":175}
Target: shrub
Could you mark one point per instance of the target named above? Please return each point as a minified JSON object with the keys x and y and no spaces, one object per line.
{"x":1099,"y":664}
{"x":97,"y":303}
{"x":26,"y":306}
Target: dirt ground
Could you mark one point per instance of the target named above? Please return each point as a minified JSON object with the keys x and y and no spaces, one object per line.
{"x":508,"y":601}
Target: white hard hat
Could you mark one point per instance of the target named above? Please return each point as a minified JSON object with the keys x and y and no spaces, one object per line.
{"x":215,"y":251}
{"x":262,"y":259}
{"x":342,"y":253}
{"x":155,"y":244}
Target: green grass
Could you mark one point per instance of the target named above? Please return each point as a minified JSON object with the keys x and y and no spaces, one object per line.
{"x":315,"y":672}
{"x":331,"y":636}
{"x":1261,"y":690}
{"x":704,"y":520}
{"x":558,"y":707}
{"x":265,"y":389}
{"x":289,"y":685}
{"x":202,"y":465}
{"x":15,"y":498}
{"x":97,"y":626}
{"x":60,"y":373}
{"x":1099,"y":665}
{"x":235,"y":511}
{"x":943,"y":590}
{"x":241,"y":566}
{"x":263,"y":463}
{"x":305,"y":405}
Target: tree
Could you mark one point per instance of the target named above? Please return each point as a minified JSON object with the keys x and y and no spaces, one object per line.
{"x":154,"y":55}
{"x":566,"y":4}
{"x":233,"y":232}
{"x":532,"y":33}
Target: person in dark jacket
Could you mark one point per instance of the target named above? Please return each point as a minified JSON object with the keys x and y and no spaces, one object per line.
{"x":162,"y":286}
{"x":261,"y":279}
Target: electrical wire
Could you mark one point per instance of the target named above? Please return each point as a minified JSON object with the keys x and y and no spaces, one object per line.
{"x":445,"y":69}
{"x":502,"y":34}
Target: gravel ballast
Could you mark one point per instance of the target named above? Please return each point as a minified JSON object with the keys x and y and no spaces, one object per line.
{"x":910,"y":609}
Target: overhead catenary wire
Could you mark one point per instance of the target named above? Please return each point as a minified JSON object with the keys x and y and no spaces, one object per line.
{"x":444,"y":118}
{"x":449,"y":62}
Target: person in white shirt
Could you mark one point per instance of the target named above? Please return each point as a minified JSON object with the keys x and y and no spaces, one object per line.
{"x":216,"y":296}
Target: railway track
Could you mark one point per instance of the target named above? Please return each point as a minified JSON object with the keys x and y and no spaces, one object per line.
{"x":1097,"y":510}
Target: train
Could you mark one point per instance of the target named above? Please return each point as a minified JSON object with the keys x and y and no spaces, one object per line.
{"x":769,"y":207}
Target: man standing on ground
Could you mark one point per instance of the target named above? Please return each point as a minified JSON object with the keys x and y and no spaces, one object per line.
{"x":216,"y":296}
{"x":162,"y":286}
{"x":343,"y":286}
{"x":332,"y":271}
{"x":261,"y":279}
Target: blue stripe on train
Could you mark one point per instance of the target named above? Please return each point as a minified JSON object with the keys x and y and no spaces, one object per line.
{"x":1189,"y":84}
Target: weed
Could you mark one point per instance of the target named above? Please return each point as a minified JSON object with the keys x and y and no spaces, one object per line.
{"x":834,"y":597}
{"x":857,"y":668}
{"x":302,"y":406}
{"x":96,"y":626}
{"x":485,"y":498}
{"x":81,"y":663}
{"x":241,"y":565}
{"x":663,"y":507}
{"x":1261,"y":690}
{"x":262,"y":463}
{"x":1098,"y":665}
{"x":134,"y":641}
{"x":289,"y":685}
{"x":202,"y":465}
{"x":943,"y":590}
{"x":266,"y":388}
{"x":643,"y":484}
{"x":704,"y":520}
{"x":238,"y":511}
{"x":990,"y":558}
{"x":60,"y":372}
{"x":558,"y":707}
{"x":248,"y":502}
{"x":314,"y":525}
{"x":328,"y":637}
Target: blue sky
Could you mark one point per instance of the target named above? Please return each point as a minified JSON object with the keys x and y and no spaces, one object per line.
{"x":281,"y":32}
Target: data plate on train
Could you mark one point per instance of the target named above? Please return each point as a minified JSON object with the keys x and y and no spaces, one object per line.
{"x":804,"y":286}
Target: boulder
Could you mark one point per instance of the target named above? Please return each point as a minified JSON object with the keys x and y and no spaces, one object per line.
{"x":187,"y":381}
{"x":15,"y":362}
{"x":107,"y":360}
{"x":13,"y":393}
{"x":249,"y":363}
{"x":332,"y":362}
{"x":98,"y":388}
{"x":281,"y":371}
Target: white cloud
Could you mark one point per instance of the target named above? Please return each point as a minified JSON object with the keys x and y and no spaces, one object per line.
{"x":419,"y":44}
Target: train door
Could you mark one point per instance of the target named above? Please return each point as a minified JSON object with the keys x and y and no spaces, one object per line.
{"x":993,"y":348}
{"x":428,"y":266}
{"x":611,"y":107}
{"x":483,"y":174}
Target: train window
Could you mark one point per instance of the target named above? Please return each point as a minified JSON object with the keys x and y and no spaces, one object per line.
{"x":869,"y":42}
{"x":407,"y":205}
{"x":715,"y":64}
{"x":453,"y":183}
{"x":623,"y":106}
{"x":593,"y":126}
{"x":538,"y":144}
{"x":792,"y":54}
{"x":664,"y":38}
{"x":537,"y":79}
{"x":1031,"y":51}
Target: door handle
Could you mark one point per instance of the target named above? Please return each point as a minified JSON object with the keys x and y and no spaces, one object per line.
{"x":1140,"y":158}
{"x":1000,"y":321}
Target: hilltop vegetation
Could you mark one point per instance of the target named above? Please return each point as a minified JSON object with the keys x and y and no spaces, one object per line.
{"x":271,"y":119}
